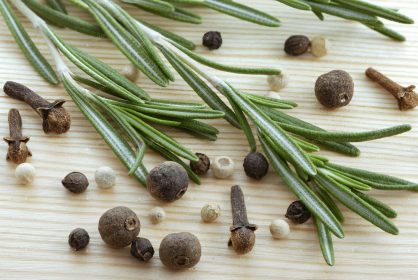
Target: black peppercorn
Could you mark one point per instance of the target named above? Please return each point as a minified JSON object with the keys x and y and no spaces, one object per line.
{"x":212,"y":40}
{"x":202,"y":166}
{"x":141,"y":248}
{"x":78,"y":239}
{"x":334,"y":89}
{"x":168,"y":181}
{"x":180,"y":250}
{"x":297,"y":212}
{"x":256,"y":165}
{"x":297,"y":45}
{"x":75,"y":182}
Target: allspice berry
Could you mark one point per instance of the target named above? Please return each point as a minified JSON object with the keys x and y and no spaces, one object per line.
{"x":78,"y":239}
{"x":180,"y":250}
{"x":202,"y":166}
{"x":75,"y":182}
{"x":141,"y":248}
{"x":168,"y":181}
{"x":334,"y":89}
{"x":119,"y":227}
{"x":212,"y":40}
{"x":297,"y":45}
{"x":256,"y":165}
{"x":297,"y":212}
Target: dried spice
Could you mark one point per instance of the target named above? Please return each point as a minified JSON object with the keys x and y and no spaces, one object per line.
{"x":210,"y":212}
{"x":242,"y":232}
{"x":406,"y":96}
{"x":105,"y":177}
{"x":320,"y":46}
{"x":334,"y":89}
{"x":180,"y":250}
{"x":256,"y":165}
{"x":222,"y":167}
{"x":212,"y":40}
{"x":25,"y":173}
{"x":157,"y":215}
{"x":297,"y":212}
{"x":18,"y":151}
{"x":202,"y":166}
{"x":297,"y":45}
{"x":55,"y":117}
{"x":279,"y":228}
{"x":75,"y":182}
{"x":168,"y":181}
{"x":278,"y":82}
{"x":119,"y":227}
{"x":79,"y":239}
{"x":141,"y":248}
{"x":131,"y":72}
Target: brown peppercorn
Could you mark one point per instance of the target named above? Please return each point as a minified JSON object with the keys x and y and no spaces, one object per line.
{"x":119,"y":227}
{"x":79,"y":239}
{"x":297,"y":212}
{"x":18,"y":151}
{"x":75,"y":182}
{"x":256,"y":165}
{"x":297,"y":45}
{"x":180,"y":250}
{"x":141,"y":248}
{"x":334,"y":89}
{"x":55,"y":117}
{"x":212,"y":40}
{"x":202,"y":166}
{"x":168,"y":181}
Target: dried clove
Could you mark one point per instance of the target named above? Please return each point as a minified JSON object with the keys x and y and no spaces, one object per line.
{"x":141,"y":248}
{"x":242,"y":232}
{"x":406,"y":96}
{"x":55,"y":117}
{"x":18,"y":151}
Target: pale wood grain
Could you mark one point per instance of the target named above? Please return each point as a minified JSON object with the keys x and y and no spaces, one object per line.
{"x":35,"y":220}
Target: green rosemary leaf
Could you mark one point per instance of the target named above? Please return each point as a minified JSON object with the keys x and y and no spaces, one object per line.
{"x":127,"y":44}
{"x":202,"y":135}
{"x":252,"y":96}
{"x":375,"y":10}
{"x":178,"y":14}
{"x":346,"y":181}
{"x":79,"y":3}
{"x":346,"y":137}
{"x":57,"y":5}
{"x":93,"y":84}
{"x":132,"y":25}
{"x":197,"y":126}
{"x":321,"y":158}
{"x":325,"y":242}
{"x":154,"y":5}
{"x":149,"y":118}
{"x":62,"y":19}
{"x":328,"y":202}
{"x":306,"y":146}
{"x":388,"y":32}
{"x":226,"y":68}
{"x":319,"y":15}
{"x":26,"y":44}
{"x":317,"y":162}
{"x":200,"y":87}
{"x":302,"y":191}
{"x":132,"y":134}
{"x":176,"y":104}
{"x":173,"y":37}
{"x":191,"y":2}
{"x":301,"y":174}
{"x":231,"y":8}
{"x":112,"y":138}
{"x":343,"y":148}
{"x":336,"y":10}
{"x":159,"y":137}
{"x":267,"y":103}
{"x":356,"y":204}
{"x":322,"y":1}
{"x":383,"y":208}
{"x":172,"y":157}
{"x":279,"y":137}
{"x":296,"y":4}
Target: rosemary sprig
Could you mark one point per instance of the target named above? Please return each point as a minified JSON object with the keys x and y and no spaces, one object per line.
{"x":152,"y":5}
{"x":325,"y":242}
{"x":328,"y":201}
{"x":383,"y":208}
{"x":57,"y":5}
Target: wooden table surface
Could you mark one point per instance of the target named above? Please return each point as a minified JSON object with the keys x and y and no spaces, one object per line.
{"x":35,"y":220}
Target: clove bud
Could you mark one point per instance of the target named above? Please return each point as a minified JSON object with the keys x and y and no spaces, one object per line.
{"x":18,"y":151}
{"x":55,"y":117}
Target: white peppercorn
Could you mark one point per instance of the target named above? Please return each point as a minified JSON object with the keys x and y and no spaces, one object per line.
{"x":25,"y":173}
{"x":131,"y":72}
{"x":320,"y":46}
{"x":279,"y":228}
{"x":277,"y":82}
{"x":105,"y":177}
{"x":273,"y":94}
{"x":157,"y":215}
{"x":222,"y":167}
{"x":210,"y":212}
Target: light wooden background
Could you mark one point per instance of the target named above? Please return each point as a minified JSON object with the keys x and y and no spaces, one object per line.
{"x":35,"y":220}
